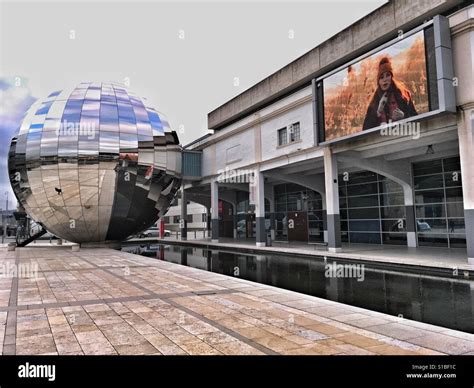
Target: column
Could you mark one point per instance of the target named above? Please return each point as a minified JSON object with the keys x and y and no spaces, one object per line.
{"x":410,"y":217}
{"x":234,"y":219}
{"x":257,"y":186}
{"x":466,"y":152}
{"x":332,"y":201}
{"x":272,"y":219}
{"x":325,"y":224}
{"x":183,"y":222}
{"x":270,"y":196}
{"x":208,"y":221}
{"x":214,"y":211}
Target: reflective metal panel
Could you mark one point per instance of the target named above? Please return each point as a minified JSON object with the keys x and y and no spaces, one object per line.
{"x":95,"y":163}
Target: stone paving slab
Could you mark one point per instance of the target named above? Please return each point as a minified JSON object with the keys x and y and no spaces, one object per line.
{"x":101,"y":301}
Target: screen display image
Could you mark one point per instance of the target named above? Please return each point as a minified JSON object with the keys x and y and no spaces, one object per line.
{"x":387,"y":86}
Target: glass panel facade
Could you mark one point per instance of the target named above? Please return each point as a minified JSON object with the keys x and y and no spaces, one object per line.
{"x":438,"y":203}
{"x":372,"y":209}
{"x":291,"y":198}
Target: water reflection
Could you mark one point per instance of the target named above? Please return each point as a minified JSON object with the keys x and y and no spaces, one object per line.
{"x":435,"y":300}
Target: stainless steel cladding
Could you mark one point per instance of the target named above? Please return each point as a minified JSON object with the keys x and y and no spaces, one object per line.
{"x":95,"y":163}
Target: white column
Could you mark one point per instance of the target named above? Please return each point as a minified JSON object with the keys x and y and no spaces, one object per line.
{"x":214,"y":211}
{"x":466,"y":154}
{"x":332,"y":201}
{"x":183,"y":222}
{"x":258,"y":194}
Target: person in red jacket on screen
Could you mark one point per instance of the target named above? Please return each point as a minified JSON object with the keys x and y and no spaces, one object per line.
{"x":391,"y":101}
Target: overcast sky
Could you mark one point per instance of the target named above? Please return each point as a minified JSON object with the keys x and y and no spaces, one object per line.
{"x":182,"y":56}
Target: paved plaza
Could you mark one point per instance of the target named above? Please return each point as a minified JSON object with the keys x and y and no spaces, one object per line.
{"x":102,"y":301}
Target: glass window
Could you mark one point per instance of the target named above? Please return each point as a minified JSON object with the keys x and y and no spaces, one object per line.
{"x":281,"y":226}
{"x":456,"y":225}
{"x":429,"y":181}
{"x":452,"y":164}
{"x":294,"y":131}
{"x":364,"y":213}
{"x":315,"y":215}
{"x":454,"y":195}
{"x":342,"y":202}
{"x":388,"y":186}
{"x":280,"y":189}
{"x":457,"y":240}
{"x":455,"y":209}
{"x":282,"y":138}
{"x":392,"y":199}
{"x":429,"y":167}
{"x":440,"y":221}
{"x":430,"y":211}
{"x":362,"y":189}
{"x":364,"y":237}
{"x":364,"y":226}
{"x":366,"y":201}
{"x":453,"y":179}
{"x":431,"y":225}
{"x":392,"y":212}
{"x":342,"y":190}
{"x":396,"y":225}
{"x":429,"y":196}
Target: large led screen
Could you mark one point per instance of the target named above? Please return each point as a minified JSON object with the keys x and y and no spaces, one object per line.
{"x":388,"y":86}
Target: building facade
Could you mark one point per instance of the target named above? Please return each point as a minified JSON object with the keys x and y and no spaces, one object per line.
{"x":293,"y":159}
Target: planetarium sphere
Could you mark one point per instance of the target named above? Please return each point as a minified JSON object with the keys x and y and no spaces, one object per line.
{"x":95,"y":163}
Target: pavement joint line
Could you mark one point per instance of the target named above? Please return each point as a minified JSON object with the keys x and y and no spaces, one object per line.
{"x":164,"y":297}
{"x":9,"y":344}
{"x":91,"y":269}
{"x":224,"y":329}
{"x":139,"y":286}
{"x":194,"y":314}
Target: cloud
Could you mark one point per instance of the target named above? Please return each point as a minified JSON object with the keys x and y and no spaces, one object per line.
{"x":14,"y":102}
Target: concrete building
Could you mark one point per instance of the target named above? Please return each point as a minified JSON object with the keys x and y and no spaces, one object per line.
{"x":196,"y":217}
{"x":277,"y":165}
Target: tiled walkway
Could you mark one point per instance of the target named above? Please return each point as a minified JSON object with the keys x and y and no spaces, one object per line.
{"x":101,"y":301}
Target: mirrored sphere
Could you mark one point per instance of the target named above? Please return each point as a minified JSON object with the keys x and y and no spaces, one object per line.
{"x":95,"y":163}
